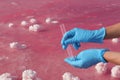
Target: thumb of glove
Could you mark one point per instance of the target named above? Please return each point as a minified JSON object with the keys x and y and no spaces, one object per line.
{"x":76,"y":63}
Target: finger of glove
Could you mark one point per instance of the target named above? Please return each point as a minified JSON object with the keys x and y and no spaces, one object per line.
{"x":67,"y":35}
{"x":69,"y":41}
{"x":76,"y":63}
{"x":76,"y":45}
{"x":64,"y":46}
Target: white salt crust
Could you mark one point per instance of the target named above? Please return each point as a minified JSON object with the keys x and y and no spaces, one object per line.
{"x":115,"y":71}
{"x":35,"y":27}
{"x":101,"y":67}
{"x":29,"y":75}
{"x":7,"y":76}
{"x":32,"y":20}
{"x":115,"y":40}
{"x":69,"y":76}
{"x":50,"y":20}
{"x":24,"y":23}
{"x":17,"y":45}
{"x":10,"y":25}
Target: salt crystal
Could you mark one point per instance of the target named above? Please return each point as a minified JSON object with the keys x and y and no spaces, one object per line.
{"x":115,"y":40}
{"x":29,"y":75}
{"x":10,"y":25}
{"x":101,"y":67}
{"x":115,"y":71}
{"x":35,"y":27}
{"x":23,"y":46}
{"x":6,"y":76}
{"x":17,"y":45}
{"x":33,"y":20}
{"x":75,"y":78}
{"x":54,"y":22}
{"x":69,"y":76}
{"x":24,"y":23}
{"x":31,"y":28}
{"x":48,"y":20}
{"x":14,"y":45}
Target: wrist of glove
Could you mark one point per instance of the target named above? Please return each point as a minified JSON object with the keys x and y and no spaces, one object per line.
{"x":97,"y":35}
{"x":87,"y":58}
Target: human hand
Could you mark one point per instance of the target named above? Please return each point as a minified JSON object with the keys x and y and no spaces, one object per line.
{"x":77,"y":35}
{"x":87,"y":58}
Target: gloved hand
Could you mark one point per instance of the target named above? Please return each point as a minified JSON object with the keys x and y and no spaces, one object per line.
{"x":77,"y":35}
{"x":87,"y":58}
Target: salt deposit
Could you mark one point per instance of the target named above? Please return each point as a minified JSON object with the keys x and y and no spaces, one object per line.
{"x":115,"y":71}
{"x":69,"y":76}
{"x":35,"y":27}
{"x":115,"y":40}
{"x":101,"y":67}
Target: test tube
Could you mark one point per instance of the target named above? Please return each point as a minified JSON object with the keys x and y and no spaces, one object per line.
{"x":69,"y":49}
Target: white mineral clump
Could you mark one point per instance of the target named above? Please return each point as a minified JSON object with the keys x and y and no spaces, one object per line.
{"x":6,"y":76}
{"x":35,"y":27}
{"x":54,"y":22}
{"x":75,"y":78}
{"x":115,"y":40}
{"x":69,"y":76}
{"x":29,"y":75}
{"x":23,"y":46}
{"x":101,"y":67}
{"x":24,"y":23}
{"x":32,"y":20}
{"x":48,"y":20}
{"x":10,"y":25}
{"x":14,"y":44}
{"x":17,"y":45}
{"x":115,"y":71}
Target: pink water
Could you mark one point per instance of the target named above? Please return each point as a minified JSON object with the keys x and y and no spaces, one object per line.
{"x":44,"y":53}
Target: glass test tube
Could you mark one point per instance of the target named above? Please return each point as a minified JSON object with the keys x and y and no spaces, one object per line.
{"x":69,"y":49}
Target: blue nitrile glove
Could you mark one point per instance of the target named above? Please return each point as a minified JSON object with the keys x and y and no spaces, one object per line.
{"x":77,"y":35}
{"x":87,"y":58}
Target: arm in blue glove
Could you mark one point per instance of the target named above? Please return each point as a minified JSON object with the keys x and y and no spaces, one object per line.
{"x":87,"y":58}
{"x":77,"y":35}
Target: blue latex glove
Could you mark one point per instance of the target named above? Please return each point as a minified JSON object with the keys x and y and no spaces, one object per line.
{"x":87,"y":58}
{"x":77,"y":35}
